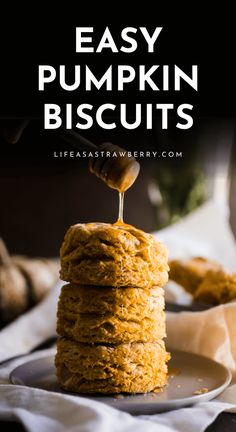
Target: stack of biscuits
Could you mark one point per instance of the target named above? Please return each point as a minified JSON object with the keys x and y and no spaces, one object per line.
{"x":111,"y":318}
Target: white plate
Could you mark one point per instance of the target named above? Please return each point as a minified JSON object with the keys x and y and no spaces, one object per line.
{"x":189,"y":373}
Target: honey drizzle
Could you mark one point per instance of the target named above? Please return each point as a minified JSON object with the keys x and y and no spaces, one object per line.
{"x":121,"y":208}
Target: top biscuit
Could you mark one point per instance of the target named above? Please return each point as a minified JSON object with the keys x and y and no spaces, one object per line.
{"x":112,"y":255}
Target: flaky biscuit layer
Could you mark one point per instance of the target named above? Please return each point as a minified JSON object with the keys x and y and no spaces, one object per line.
{"x":112,"y":255}
{"x":128,"y":368}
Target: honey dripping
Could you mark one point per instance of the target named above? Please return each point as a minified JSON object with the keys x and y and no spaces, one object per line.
{"x":121,"y":208}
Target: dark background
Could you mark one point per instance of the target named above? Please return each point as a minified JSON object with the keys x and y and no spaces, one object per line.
{"x":195,"y":37}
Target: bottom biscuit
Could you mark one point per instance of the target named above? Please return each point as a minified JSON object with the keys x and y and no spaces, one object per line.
{"x":123,"y":368}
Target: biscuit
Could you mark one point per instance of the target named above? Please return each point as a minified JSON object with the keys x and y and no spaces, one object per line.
{"x":216,"y":288}
{"x":190,"y":273}
{"x":92,"y":328}
{"x":128,"y":315}
{"x":112,"y":255}
{"x":128,"y":368}
{"x":128,"y":303}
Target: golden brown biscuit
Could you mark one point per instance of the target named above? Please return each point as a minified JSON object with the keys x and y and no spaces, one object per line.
{"x":216,"y":288}
{"x":114,"y":315}
{"x":190,"y":273}
{"x":129,"y":368}
{"x":128,"y":303}
{"x":112,"y":255}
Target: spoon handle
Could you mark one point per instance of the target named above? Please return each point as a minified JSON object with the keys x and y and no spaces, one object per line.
{"x":76,"y":140}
